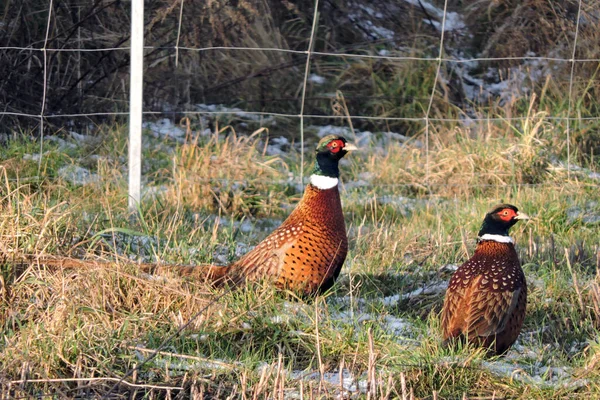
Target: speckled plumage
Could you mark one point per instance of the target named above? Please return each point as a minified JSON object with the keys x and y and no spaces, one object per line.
{"x":487,"y":296}
{"x":305,"y":254}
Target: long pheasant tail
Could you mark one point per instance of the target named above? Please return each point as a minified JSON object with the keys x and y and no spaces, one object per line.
{"x":207,"y":272}
{"x":214,"y":274}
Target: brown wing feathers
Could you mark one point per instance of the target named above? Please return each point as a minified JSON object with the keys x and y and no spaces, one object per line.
{"x":487,"y":296}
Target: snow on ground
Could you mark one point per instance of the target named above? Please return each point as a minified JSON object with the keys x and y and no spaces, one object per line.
{"x":588,"y":214}
{"x":316,"y":79}
{"x":345,"y":380}
{"x":454,"y":21}
{"x":537,"y":374}
{"x":430,"y":288}
{"x":493,"y":85}
{"x":77,"y":175}
{"x":393,"y":325}
{"x":368,"y":29}
{"x":378,"y":141}
{"x":278,"y":146}
{"x":164,"y":127}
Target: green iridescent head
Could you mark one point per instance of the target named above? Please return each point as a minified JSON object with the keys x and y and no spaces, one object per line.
{"x":330,"y":150}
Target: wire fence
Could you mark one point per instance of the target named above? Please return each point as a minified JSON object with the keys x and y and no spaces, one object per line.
{"x":442,"y":56}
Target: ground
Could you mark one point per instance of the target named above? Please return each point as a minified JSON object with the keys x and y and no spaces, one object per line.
{"x":210,"y":195}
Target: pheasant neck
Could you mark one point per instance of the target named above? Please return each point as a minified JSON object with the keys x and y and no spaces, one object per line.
{"x":326,"y":165}
{"x":325,"y":173}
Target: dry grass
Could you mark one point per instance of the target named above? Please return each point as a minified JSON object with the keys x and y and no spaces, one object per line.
{"x":75,"y":332}
{"x":226,"y":174}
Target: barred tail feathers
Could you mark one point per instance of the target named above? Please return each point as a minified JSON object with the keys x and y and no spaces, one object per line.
{"x":210,"y":273}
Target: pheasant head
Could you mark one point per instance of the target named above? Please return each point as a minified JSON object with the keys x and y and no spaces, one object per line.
{"x":498,"y":221}
{"x":330,"y":150}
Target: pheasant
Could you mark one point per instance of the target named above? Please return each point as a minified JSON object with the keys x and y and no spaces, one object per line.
{"x":487,"y":296}
{"x":305,"y":254}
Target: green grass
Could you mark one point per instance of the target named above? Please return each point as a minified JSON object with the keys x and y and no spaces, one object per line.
{"x":99,"y":323}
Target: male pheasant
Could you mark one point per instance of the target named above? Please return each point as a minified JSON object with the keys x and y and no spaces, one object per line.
{"x":305,"y":254}
{"x":487,"y":296}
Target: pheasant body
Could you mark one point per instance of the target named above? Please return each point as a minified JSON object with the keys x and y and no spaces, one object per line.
{"x":306,"y":252}
{"x":487,"y":296}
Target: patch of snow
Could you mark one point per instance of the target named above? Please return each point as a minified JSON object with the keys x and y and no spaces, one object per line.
{"x":280,"y":319}
{"x":323,"y":131}
{"x":448,"y":268}
{"x":588,"y":214}
{"x":434,"y":288}
{"x":537,"y":374}
{"x":355,"y":184}
{"x":504,"y":87}
{"x":34,"y":157}
{"x":184,"y":362}
{"x":77,"y":175}
{"x":164,"y":127}
{"x":82,"y":139}
{"x":380,"y":31}
{"x":317,"y":79}
{"x":454,"y":21}
{"x":154,"y":191}
{"x":278,"y":146}
{"x":62,"y":144}
{"x":393,"y":325}
{"x":367,"y":27}
{"x":221,"y":253}
{"x":349,"y":383}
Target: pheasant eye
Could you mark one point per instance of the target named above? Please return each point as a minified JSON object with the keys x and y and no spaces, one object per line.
{"x":506,"y":215}
{"x":335,"y":145}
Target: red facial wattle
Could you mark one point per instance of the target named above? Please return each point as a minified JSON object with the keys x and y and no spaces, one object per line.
{"x":507,"y":214}
{"x":335,"y":146}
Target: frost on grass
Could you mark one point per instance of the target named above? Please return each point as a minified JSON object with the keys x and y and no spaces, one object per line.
{"x":77,"y":175}
{"x":345,"y":380}
{"x":430,"y":288}
{"x":165,"y":128}
{"x":454,"y":21}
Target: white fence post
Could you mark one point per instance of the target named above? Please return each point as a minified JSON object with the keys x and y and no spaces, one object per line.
{"x":136,"y":80}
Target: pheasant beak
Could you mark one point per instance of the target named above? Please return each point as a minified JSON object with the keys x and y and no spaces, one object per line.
{"x":350,"y":147}
{"x":521,"y":215}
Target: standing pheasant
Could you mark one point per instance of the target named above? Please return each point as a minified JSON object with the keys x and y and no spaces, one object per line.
{"x":305,"y":254}
{"x":487,"y":296}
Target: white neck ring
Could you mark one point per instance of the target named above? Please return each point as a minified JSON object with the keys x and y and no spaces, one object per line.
{"x":497,"y":238}
{"x":323,"y":182}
